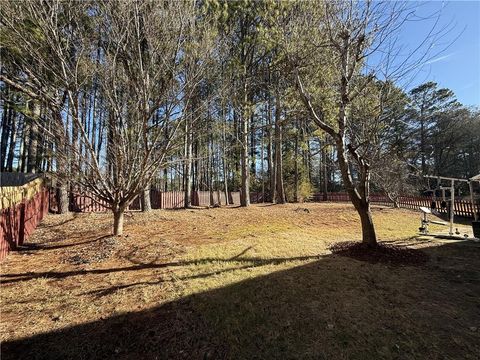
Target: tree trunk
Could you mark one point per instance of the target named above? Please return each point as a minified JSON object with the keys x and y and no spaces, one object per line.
{"x":42,"y":147}
{"x":245,"y":194}
{"x":238,"y":149}
{"x":362,"y":206}
{"x":359,"y":199}
{"x":225,"y":182}
{"x":262,"y":160}
{"x":61,"y":167}
{"x":33,"y":139}
{"x":6,"y":129}
{"x":325,"y":174}
{"x":118,"y":215}
{"x":280,"y":190}
{"x":74,"y":148}
{"x":62,"y":198}
{"x":270,"y":152}
{"x":12,"y":143}
{"x":422,"y":146}
{"x":307,"y":154}
{"x":369,"y":236}
{"x":253,"y":161}
{"x":210,"y":168}
{"x":224,"y":159}
{"x":295,"y":177}
{"x":165,"y":177}
{"x":145,"y":200}
{"x":188,"y":164}
{"x":245,"y":198}
{"x":22,"y":166}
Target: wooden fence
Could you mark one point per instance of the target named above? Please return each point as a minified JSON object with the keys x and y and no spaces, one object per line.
{"x":84,"y":202}
{"x":462,"y":208}
{"x":19,"y":220}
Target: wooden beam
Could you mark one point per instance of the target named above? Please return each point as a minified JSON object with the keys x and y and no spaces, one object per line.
{"x":446,"y":178}
{"x":475,"y":178}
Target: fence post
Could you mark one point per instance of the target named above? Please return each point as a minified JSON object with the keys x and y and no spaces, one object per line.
{"x":21,"y":230}
{"x":47,"y":202}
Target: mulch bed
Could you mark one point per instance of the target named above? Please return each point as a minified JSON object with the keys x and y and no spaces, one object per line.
{"x":382,"y":253}
{"x":100,"y":251}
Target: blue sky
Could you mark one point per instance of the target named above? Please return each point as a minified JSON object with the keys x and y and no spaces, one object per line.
{"x":458,"y":66}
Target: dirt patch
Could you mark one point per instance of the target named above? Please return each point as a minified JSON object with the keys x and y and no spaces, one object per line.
{"x":382,"y":253}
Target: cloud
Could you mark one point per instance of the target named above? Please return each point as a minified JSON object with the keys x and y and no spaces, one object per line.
{"x":440,"y":58}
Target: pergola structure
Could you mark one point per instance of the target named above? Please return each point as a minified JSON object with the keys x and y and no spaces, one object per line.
{"x":470,"y":182}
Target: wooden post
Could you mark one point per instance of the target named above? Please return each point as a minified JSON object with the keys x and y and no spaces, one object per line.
{"x":475,"y":215}
{"x":452,"y":205}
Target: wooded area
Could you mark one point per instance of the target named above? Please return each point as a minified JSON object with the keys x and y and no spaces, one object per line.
{"x":276,"y":97}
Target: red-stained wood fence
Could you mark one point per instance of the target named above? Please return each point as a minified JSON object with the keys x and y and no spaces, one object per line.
{"x":171,"y":199}
{"x":462,"y":208}
{"x":81,"y":201}
{"x":18,"y":222}
{"x":213,"y":198}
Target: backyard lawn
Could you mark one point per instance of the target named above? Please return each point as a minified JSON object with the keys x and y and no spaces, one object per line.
{"x":237,"y":283}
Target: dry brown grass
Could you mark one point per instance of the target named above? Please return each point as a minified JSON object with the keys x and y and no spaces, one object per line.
{"x":236,"y":283}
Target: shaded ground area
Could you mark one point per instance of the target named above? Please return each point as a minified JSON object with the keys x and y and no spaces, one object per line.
{"x":239,"y":284}
{"x":383,"y":252}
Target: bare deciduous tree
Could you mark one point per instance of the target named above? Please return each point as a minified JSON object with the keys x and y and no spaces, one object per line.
{"x":134,"y":52}
{"x":354,"y":31}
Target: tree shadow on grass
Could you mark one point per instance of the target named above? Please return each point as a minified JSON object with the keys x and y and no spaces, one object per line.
{"x":28,"y":247}
{"x":59,"y":224}
{"x":251,"y":262}
{"x":334,"y":307}
{"x":267,"y":204}
{"x":467,"y":221}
